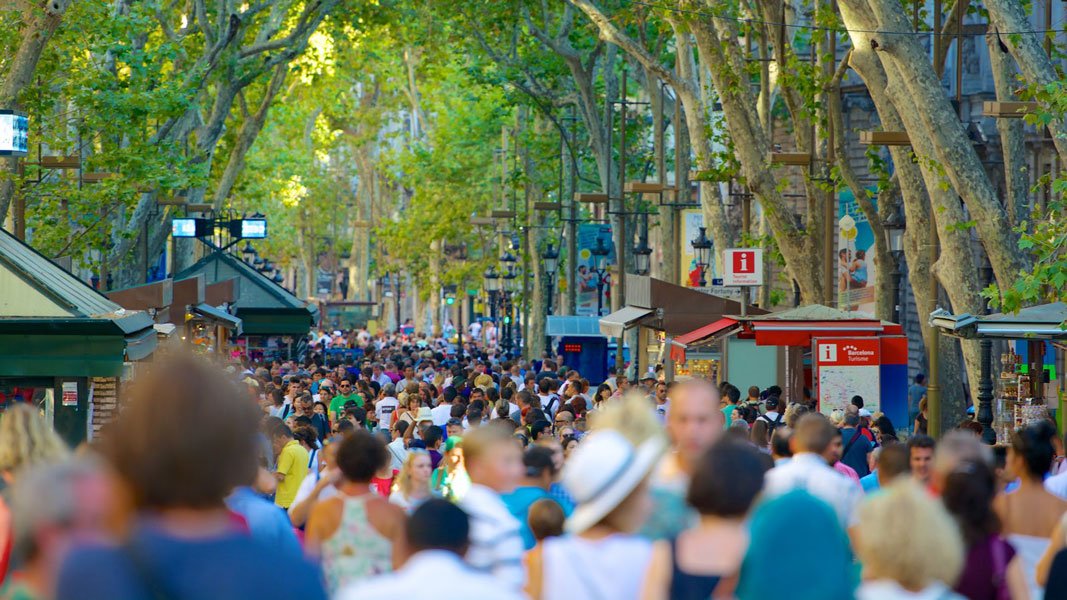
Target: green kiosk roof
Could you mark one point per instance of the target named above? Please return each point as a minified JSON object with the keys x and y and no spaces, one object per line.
{"x":52,"y":324}
{"x":264,"y":307}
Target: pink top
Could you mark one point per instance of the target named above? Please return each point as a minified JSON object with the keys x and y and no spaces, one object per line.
{"x":847,"y":471}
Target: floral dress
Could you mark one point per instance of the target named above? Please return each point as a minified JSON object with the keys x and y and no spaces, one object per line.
{"x":356,"y":551}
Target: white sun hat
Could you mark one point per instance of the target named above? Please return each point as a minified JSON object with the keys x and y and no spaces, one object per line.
{"x":602,"y":472}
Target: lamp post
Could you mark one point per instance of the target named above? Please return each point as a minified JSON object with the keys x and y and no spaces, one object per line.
{"x":511,"y":287}
{"x":249,"y":253}
{"x":550,"y":258}
{"x":985,"y":382}
{"x":894,"y":233}
{"x":702,"y":247}
{"x":492,"y":287}
{"x":600,"y":263}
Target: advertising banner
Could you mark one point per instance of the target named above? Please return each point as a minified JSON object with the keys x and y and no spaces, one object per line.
{"x":848,"y":367}
{"x":587,"y":277}
{"x":855,"y":255}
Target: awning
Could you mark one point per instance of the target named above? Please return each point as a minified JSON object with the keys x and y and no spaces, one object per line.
{"x":218,"y":317}
{"x":1044,"y":322}
{"x":702,"y":336}
{"x":619,"y":321}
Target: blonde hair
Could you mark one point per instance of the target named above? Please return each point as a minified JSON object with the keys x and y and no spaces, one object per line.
{"x":632,"y":416}
{"x":403,"y":479}
{"x":908,"y":537}
{"x":27,"y":440}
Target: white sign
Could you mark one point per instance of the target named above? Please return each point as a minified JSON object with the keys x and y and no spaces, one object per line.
{"x":14,"y":133}
{"x":742,"y":266}
{"x":848,"y":367}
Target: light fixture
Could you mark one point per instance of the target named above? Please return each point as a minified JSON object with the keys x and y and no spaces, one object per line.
{"x":492,"y":280}
{"x":600,"y":254}
{"x":550,"y":257}
{"x":894,"y":232}
{"x":642,"y":257}
{"x":248,"y":251}
{"x":702,"y":246}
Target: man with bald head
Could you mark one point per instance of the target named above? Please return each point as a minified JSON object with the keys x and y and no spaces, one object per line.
{"x":694,"y":422}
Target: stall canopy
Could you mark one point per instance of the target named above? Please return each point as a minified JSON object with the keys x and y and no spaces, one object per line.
{"x":795,"y":327}
{"x":1044,"y":322}
{"x":667,"y":307}
{"x":619,"y":321}
{"x":264,"y":307}
{"x":53,"y":324}
{"x":217,"y":316}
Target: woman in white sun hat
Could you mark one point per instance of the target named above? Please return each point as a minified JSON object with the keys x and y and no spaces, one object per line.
{"x":607,"y":475}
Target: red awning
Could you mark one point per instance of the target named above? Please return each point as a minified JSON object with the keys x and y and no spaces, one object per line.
{"x":703,"y":335}
{"x":800,"y":333}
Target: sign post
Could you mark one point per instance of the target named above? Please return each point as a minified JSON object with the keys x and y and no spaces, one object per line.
{"x":742,"y":267}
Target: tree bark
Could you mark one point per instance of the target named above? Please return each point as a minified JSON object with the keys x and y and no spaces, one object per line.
{"x":1012,"y":134}
{"x":1035,"y":65}
{"x":913,"y":79}
{"x":246,"y":136}
{"x":41,"y":19}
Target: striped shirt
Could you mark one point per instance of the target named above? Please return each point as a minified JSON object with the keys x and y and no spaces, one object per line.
{"x":496,"y":539}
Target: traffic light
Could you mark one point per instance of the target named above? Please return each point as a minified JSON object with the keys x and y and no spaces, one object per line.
{"x":450,"y":300}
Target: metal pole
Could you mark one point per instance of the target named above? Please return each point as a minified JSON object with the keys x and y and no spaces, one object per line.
{"x":933,"y":391}
{"x":572,"y":229}
{"x":619,"y":299}
{"x":681,"y":183}
{"x":829,"y":264}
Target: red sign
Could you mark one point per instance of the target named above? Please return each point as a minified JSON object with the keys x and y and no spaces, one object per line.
{"x":743,"y":267}
{"x":850,"y":352}
{"x":575,"y":348}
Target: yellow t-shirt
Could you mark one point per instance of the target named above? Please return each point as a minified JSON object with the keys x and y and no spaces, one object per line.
{"x":293,"y":463}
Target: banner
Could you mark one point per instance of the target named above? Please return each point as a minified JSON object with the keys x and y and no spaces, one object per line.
{"x":586,"y":294}
{"x":856,"y":279}
{"x":848,"y":367}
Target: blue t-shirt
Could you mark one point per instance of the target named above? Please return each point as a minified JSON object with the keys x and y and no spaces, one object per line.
{"x":519,"y":503}
{"x":870,"y":482}
{"x":233,"y":566}
{"x":855,"y":455}
{"x":267,"y":522}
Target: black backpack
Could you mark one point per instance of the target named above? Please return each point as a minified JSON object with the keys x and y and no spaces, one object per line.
{"x":775,"y":424}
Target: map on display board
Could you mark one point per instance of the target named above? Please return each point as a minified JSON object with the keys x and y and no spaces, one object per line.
{"x":848,"y":367}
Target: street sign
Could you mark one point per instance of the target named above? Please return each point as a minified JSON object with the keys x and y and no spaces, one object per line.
{"x":742,"y":266}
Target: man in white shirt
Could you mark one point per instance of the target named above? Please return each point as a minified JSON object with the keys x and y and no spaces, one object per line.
{"x":808,"y":470}
{"x":385,"y":407}
{"x":494,"y":464}
{"x":549,"y":400}
{"x":443,"y":411}
{"x":438,"y":536}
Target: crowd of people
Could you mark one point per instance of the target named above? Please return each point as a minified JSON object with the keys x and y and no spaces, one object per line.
{"x":413,"y":469}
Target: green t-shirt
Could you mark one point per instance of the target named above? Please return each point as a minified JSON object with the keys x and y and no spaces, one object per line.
{"x":728,"y":412}
{"x":339,"y":401}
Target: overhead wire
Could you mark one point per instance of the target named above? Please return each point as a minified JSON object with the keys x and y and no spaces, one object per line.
{"x":753,"y":21}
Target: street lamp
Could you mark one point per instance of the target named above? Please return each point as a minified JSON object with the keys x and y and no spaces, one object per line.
{"x":550,"y":258}
{"x":511,"y":282}
{"x":642,"y":257}
{"x":248,"y":252}
{"x":600,"y":263}
{"x":492,"y":287}
{"x":894,"y":232}
{"x":702,"y":246}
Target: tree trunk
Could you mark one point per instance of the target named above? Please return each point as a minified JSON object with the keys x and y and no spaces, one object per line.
{"x":1012,"y":134}
{"x":41,"y":19}
{"x":913,"y":79}
{"x":1036,"y":66}
{"x":434,"y":305}
{"x":246,"y":136}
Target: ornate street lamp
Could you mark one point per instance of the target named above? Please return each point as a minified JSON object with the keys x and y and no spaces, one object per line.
{"x":894,"y":232}
{"x":642,"y":257}
{"x":492,"y":287}
{"x":600,"y":263}
{"x":702,"y":246}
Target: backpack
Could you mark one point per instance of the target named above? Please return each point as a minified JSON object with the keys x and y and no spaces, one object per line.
{"x":772,"y":425}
